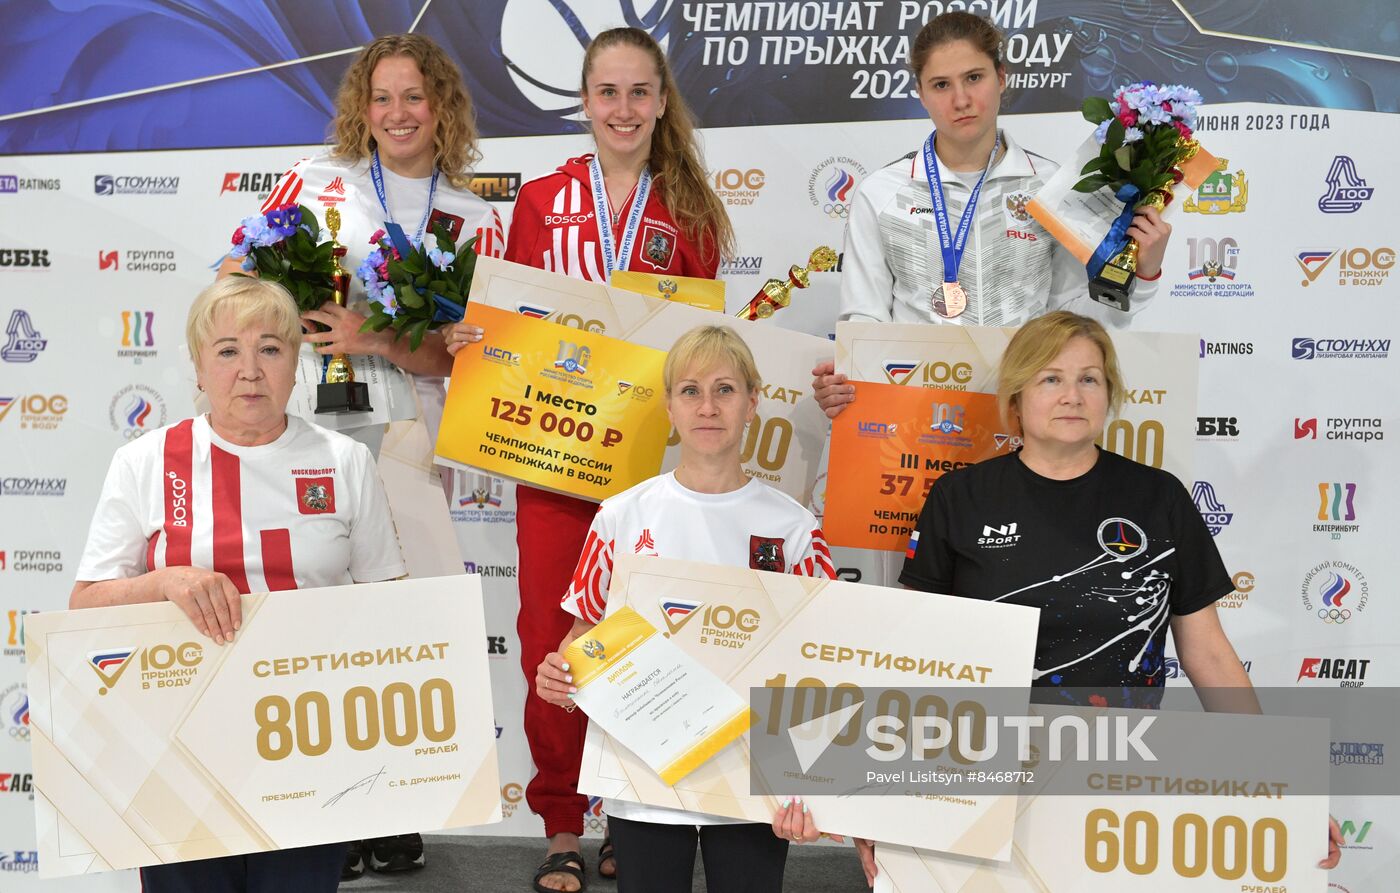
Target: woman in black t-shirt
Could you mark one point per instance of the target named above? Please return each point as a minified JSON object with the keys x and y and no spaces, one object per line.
{"x":1111,"y":551}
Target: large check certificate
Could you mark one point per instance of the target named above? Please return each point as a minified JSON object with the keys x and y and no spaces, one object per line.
{"x":575,"y":412}
{"x":1261,"y":837}
{"x":887,"y":451}
{"x":756,"y":629}
{"x":336,"y":714}
{"x":783,"y":446}
{"x":1156,"y":427}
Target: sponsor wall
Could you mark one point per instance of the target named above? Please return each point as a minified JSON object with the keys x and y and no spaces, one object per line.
{"x":1281,"y":265}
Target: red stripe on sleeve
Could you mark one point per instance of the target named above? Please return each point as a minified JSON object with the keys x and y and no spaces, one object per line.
{"x":277,"y":559}
{"x":179,"y":494}
{"x":586,"y":561}
{"x":288,"y":188}
{"x":227,"y":497}
{"x":151,"y":552}
{"x":818,"y":562}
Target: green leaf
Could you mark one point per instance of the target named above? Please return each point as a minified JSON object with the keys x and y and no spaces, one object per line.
{"x":1141,"y":177}
{"x":308,"y":216}
{"x":1116,"y":132}
{"x":444,"y":238}
{"x":416,"y":333}
{"x":1124,"y":157}
{"x":377,"y":320}
{"x":414,"y":263}
{"x":398,"y":273}
{"x":438,"y":287}
{"x":1096,"y":110}
{"x":421,"y":280}
{"x":1093,"y":164}
{"x":1091,"y":184}
{"x":408,"y":297}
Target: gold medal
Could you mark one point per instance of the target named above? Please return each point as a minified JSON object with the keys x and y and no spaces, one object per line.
{"x":949,"y":300}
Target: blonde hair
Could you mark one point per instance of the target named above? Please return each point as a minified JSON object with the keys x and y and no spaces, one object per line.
{"x":706,"y":347}
{"x":1037,"y":343}
{"x":454,"y":137}
{"x":251,"y":301}
{"x":676,"y":162}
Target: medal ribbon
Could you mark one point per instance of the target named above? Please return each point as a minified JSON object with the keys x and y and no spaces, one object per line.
{"x":953,"y":246}
{"x":376,"y":173}
{"x":1118,"y":233}
{"x":617,"y":258}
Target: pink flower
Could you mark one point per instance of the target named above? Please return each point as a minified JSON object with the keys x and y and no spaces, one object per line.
{"x":378,"y":234}
{"x":1166,"y":105}
{"x":238,"y":236}
{"x":1128,"y":117}
{"x":1182,"y":129}
{"x":384,"y":271}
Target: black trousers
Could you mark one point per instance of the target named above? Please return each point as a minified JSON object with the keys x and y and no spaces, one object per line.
{"x":312,"y":869}
{"x":657,"y":858}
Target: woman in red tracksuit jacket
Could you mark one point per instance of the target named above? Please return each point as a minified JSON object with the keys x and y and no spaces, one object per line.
{"x":642,"y":203}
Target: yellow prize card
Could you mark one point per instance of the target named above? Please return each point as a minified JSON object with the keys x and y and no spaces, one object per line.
{"x":554,"y":406}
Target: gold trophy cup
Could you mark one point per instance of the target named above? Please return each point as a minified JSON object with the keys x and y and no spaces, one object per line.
{"x":777,"y":294}
{"x":340,"y":392}
{"x":1116,"y":280}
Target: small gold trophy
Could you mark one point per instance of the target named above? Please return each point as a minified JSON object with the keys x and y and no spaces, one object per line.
{"x":1116,"y":280}
{"x":340,"y":392}
{"x":777,"y":294}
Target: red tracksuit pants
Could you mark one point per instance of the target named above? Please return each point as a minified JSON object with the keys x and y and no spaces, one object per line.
{"x":550,"y":530}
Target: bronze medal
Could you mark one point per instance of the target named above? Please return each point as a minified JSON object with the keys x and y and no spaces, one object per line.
{"x":949,"y":300}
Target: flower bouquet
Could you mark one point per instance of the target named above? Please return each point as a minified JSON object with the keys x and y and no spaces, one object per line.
{"x":415,"y":287}
{"x":284,"y":246}
{"x":1144,"y":133}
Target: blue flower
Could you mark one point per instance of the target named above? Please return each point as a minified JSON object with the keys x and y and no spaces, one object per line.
{"x":1101,"y":132}
{"x":256,"y":231}
{"x":1155,"y":114}
{"x":248,"y":265}
{"x":284,"y":220}
{"x":441,"y":259}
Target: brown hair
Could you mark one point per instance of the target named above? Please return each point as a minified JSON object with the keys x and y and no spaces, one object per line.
{"x":950,"y":27}
{"x":1037,"y":343}
{"x":675,"y":161}
{"x":705,"y":347}
{"x":454,"y":138}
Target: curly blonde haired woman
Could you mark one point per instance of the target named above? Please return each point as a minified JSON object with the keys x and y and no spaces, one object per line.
{"x":404,"y":139}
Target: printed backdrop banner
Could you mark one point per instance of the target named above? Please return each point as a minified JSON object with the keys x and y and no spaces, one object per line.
{"x":1279,"y":270}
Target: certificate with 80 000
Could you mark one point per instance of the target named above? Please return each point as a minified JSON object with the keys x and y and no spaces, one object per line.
{"x":336,"y":714}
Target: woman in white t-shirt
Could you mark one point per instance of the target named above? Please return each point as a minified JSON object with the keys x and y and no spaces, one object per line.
{"x":244,"y":499}
{"x":404,"y":140}
{"x":706,"y":510}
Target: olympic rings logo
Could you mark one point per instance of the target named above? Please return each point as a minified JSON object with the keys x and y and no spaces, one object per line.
{"x":838,"y":210}
{"x":1334,"y":615}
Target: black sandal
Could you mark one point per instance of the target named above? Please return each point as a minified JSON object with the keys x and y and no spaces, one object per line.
{"x":605,"y":852}
{"x":570,"y":863}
